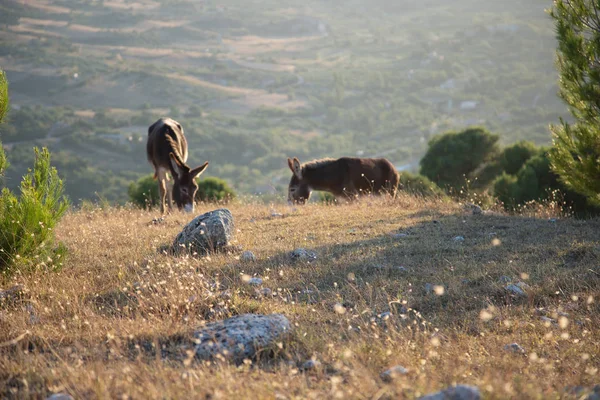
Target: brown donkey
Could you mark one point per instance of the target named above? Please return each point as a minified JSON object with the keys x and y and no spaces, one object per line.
{"x":344,"y":177}
{"x":167,"y":151}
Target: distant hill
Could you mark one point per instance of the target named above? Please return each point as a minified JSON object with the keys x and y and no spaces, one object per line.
{"x":253,"y":82}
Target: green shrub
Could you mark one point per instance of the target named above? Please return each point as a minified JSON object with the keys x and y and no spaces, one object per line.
{"x":419,"y":185}
{"x":27,"y":222}
{"x":325,"y":198}
{"x":144,"y":192}
{"x":515,"y":156}
{"x":455,"y":156}
{"x":214,"y":190}
{"x":536,"y":181}
{"x":3,"y":95}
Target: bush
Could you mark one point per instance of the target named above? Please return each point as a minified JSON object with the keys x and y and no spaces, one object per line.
{"x":536,"y":181}
{"x":3,"y":95}
{"x":27,"y":222}
{"x":454,"y":156}
{"x":144,"y":192}
{"x":515,"y":156}
{"x":325,"y":198}
{"x":419,"y":185}
{"x":214,"y":190}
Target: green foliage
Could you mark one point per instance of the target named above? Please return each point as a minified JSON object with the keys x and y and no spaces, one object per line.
{"x":144,"y":192}
{"x":536,"y":181}
{"x":3,"y":110}
{"x":213,"y":189}
{"x":515,"y":156}
{"x":325,"y":197}
{"x":3,"y":95}
{"x":419,"y":185}
{"x":454,"y":156}
{"x":27,"y":222}
{"x":576,"y":148}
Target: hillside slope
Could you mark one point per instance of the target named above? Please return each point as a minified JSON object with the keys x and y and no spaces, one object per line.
{"x":254,"y":82}
{"x":91,"y":329}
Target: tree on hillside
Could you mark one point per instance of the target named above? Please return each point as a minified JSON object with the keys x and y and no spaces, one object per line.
{"x":575,"y":156}
{"x":455,"y":156}
{"x":515,"y":156}
{"x":3,"y":111}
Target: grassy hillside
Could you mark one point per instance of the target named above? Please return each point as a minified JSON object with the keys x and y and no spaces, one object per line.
{"x":253,"y":82}
{"x":91,"y":329}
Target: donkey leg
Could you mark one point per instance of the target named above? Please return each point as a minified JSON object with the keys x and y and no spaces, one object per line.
{"x":162,"y":189}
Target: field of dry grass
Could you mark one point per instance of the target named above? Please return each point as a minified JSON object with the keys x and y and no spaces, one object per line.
{"x":93,"y":328}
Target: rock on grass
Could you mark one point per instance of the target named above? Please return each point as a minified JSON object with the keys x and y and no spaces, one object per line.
{"x":206,"y":233}
{"x":459,"y":392}
{"x":392,"y":373}
{"x":242,"y":336}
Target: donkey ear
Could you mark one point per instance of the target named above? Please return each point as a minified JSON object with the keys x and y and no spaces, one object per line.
{"x":296,"y":168}
{"x":178,"y":168}
{"x":291,"y":164}
{"x":198,"y":170}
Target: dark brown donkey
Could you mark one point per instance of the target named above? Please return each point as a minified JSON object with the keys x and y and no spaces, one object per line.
{"x":345,"y":177}
{"x":167,"y":151}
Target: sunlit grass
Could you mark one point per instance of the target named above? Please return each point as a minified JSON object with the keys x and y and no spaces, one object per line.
{"x":93,"y":328}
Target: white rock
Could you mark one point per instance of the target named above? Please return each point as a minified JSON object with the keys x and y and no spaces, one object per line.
{"x":60,"y":396}
{"x":206,"y":233}
{"x":390,"y":374}
{"x":515,"y":348}
{"x":242,"y":336}
{"x":514,"y":289}
{"x":255,"y":281}
{"x":303,"y":254}
{"x":311,"y":364}
{"x":459,"y":392}
{"x":247,"y":256}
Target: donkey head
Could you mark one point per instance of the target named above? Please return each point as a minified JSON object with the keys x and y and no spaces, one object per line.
{"x":298,"y":189}
{"x":184,"y":185}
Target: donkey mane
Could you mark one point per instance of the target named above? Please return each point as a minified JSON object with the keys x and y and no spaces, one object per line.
{"x":323,"y":162}
{"x":174,"y":149}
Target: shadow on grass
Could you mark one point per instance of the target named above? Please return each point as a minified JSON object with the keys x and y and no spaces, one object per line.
{"x":468,"y":259}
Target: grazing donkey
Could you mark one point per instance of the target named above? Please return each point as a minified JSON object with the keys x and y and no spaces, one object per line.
{"x":344,"y":177}
{"x":167,"y":151}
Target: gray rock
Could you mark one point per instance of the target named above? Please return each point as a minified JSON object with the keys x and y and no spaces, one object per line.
{"x":515,"y":289}
{"x":311,"y":364}
{"x":429,"y":288}
{"x":206,"y":233}
{"x":459,"y":239}
{"x":505,"y":279}
{"x":401,"y":269}
{"x":60,"y":396}
{"x":242,"y":336}
{"x":390,"y":374}
{"x":385,"y":315}
{"x":255,"y":281}
{"x":459,"y":392}
{"x":303,"y":254}
{"x":11,"y":294}
{"x":515,"y":348}
{"x":548,"y":319}
{"x":266,"y":292}
{"x":399,"y":235}
{"x":474,"y":208}
{"x":248,"y":256}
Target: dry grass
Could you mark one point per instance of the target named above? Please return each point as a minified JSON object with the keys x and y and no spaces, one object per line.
{"x":93,"y":329}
